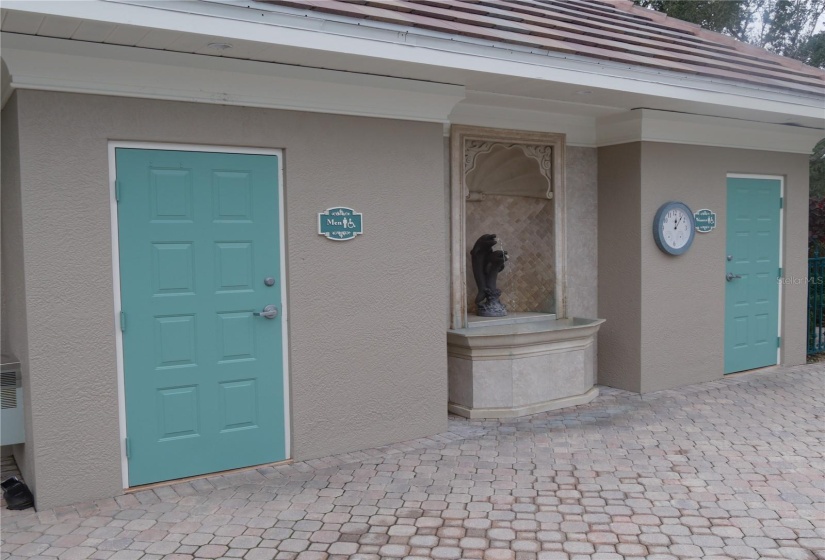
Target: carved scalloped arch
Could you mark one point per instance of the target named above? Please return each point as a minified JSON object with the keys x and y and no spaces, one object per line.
{"x":543,"y":155}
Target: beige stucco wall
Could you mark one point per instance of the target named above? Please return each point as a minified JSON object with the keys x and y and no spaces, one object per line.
{"x":691,"y":288}
{"x":378,"y":377}
{"x":666,"y":316}
{"x":620,"y":281}
{"x":12,"y":286}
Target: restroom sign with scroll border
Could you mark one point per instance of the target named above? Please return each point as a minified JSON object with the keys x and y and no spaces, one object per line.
{"x":340,"y":223}
{"x":704,"y":220}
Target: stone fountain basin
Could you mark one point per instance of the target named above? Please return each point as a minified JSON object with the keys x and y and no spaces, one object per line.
{"x":511,"y":370}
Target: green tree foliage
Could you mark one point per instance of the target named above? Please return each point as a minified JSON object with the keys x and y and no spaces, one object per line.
{"x":818,"y":172}
{"x":812,"y":52}
{"x":816,"y":227}
{"x":784,"y":27}
{"x":789,"y":26}
{"x":717,"y":15}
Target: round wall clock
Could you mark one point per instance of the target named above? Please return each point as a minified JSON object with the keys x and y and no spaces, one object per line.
{"x":673,"y":228}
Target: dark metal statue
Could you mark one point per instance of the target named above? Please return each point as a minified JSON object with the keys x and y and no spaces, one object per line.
{"x":486,"y":266}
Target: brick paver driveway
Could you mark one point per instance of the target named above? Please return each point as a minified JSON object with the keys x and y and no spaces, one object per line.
{"x":730,"y":469}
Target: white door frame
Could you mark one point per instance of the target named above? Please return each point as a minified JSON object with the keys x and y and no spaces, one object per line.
{"x":781,"y":180}
{"x":121,"y":393}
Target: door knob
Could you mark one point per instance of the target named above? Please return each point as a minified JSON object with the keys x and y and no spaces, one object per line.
{"x":730,"y":276}
{"x":268,"y":312}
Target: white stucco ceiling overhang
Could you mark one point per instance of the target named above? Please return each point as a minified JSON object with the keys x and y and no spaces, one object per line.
{"x":63,"y":65}
{"x":447,"y":79}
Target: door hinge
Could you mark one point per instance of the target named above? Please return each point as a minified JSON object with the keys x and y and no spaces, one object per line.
{"x":118,"y":186}
{"x":779,"y":342}
{"x":122,"y":321}
{"x":128,"y":447}
{"x":780,"y":272}
{"x":781,"y":201}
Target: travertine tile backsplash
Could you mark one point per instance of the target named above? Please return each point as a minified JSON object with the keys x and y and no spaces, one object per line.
{"x":525,"y":226}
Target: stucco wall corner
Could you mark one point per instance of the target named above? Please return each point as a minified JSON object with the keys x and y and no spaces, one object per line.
{"x":13,"y":319}
{"x":70,"y":306}
{"x":619,"y":266}
{"x":794,"y":294}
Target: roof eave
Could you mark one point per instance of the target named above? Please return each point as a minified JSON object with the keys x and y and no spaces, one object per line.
{"x":336,"y":36}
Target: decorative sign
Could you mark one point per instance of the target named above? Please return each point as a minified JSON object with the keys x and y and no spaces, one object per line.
{"x":705,"y":220}
{"x":340,"y":224}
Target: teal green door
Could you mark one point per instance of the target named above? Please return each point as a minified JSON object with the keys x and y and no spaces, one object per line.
{"x":198,"y":235}
{"x":751,"y":281}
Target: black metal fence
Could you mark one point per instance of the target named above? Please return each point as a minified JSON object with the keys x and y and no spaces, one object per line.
{"x":816,"y":304}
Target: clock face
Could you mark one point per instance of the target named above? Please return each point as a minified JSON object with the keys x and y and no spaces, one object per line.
{"x":673,"y":228}
{"x":676,"y":228}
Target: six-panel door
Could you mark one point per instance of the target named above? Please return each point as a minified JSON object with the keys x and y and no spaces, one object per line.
{"x":198,"y":236}
{"x":752,"y":287}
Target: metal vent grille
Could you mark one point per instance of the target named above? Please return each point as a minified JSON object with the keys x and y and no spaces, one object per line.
{"x":8,"y":389}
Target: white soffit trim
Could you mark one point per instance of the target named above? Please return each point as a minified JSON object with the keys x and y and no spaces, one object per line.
{"x":254,"y":21}
{"x":580,"y":130}
{"x":678,"y":128}
{"x":63,"y":65}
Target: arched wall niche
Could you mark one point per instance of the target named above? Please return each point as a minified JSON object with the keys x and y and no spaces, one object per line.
{"x":510,"y":183}
{"x":495,"y":168}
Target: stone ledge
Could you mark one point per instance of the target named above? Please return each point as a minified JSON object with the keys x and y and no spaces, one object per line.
{"x":555,"y":404}
{"x":522,"y":339}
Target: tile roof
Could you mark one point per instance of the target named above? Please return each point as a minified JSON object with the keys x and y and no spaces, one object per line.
{"x":613,"y":30}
